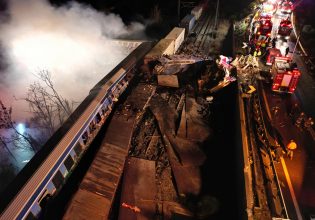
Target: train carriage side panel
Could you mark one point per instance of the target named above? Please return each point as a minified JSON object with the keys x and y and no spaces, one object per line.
{"x":163,"y":47}
{"x":197,"y":11}
{"x":188,"y":23}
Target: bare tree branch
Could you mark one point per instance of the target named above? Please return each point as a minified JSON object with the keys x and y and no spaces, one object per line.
{"x":49,"y":111}
{"x":49,"y":108}
{"x":6,"y":122}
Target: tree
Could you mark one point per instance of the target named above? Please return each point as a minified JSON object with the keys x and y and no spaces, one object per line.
{"x":49,"y":109}
{"x":17,"y":138}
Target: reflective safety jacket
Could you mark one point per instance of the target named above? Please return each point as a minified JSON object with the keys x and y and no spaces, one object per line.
{"x":292,"y":145}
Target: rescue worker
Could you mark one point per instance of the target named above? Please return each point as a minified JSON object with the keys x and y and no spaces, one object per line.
{"x":277,"y":152}
{"x":309,"y":122}
{"x":256,"y":52}
{"x":299,"y":120}
{"x":294,"y":110}
{"x":275,"y":110}
{"x":291,"y":146}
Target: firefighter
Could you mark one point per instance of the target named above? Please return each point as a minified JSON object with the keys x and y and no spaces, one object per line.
{"x":256,"y":52}
{"x":277,"y":152}
{"x":309,"y":122}
{"x":299,"y":121}
{"x":294,"y":110}
{"x":275,"y":110}
{"x":291,"y":146}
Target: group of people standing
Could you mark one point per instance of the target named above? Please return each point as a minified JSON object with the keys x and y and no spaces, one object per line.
{"x":301,"y":121}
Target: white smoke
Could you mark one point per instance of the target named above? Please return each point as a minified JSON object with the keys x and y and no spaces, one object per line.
{"x":71,"y":42}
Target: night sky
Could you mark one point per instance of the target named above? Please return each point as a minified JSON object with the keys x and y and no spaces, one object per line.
{"x":134,"y":9}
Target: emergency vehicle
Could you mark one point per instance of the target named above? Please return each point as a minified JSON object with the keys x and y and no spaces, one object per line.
{"x":284,"y":29}
{"x":286,"y":7}
{"x":285,"y":75}
{"x":264,"y":28}
{"x":271,"y":56}
{"x":261,"y":35}
{"x":269,"y":7}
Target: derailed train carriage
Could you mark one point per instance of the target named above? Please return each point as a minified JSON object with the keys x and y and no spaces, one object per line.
{"x":45,"y":174}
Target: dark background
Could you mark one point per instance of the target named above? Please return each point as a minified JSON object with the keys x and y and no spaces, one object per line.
{"x":143,"y":11}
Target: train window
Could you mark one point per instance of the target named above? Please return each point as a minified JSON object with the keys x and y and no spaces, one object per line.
{"x":69,"y":162}
{"x":107,"y":109}
{"x":58,"y":179}
{"x":42,"y":195}
{"x":51,"y":188}
{"x":110,"y":99}
{"x":63,"y":170}
{"x":100,"y":112}
{"x":92,"y":126}
{"x":103,"y":110}
{"x":98,"y":118}
{"x":78,"y":149}
{"x":30,"y":216}
{"x":106,"y":102}
{"x":44,"y":202}
{"x":73,"y":154}
{"x":85,"y":137}
{"x":34,"y":212}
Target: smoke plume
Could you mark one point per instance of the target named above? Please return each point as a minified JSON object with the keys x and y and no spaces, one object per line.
{"x":71,"y":42}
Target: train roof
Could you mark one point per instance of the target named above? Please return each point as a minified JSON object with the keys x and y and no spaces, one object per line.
{"x":164,"y":46}
{"x":187,"y":18}
{"x":175,"y":33}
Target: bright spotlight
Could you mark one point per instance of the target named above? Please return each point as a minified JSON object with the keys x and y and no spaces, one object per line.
{"x":20,"y":128}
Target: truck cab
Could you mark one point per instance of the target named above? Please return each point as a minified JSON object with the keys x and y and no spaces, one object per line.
{"x":285,"y":75}
{"x":271,"y":55}
{"x":285,"y":29}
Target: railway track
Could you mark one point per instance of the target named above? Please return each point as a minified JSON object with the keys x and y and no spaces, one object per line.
{"x":266,"y":186}
{"x":158,"y":135}
{"x":199,"y":41}
{"x":203,"y":35}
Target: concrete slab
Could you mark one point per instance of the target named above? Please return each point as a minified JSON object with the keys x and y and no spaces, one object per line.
{"x":81,"y":209}
{"x":97,"y":190}
{"x":187,"y":151}
{"x":138,"y":190}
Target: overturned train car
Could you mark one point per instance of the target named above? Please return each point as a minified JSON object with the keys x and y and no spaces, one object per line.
{"x":48,"y":170}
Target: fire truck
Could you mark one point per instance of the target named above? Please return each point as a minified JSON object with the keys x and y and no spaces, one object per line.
{"x":284,"y":29}
{"x":264,"y":28}
{"x":272,"y":54}
{"x":285,"y":75}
